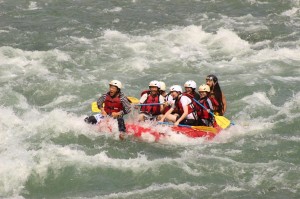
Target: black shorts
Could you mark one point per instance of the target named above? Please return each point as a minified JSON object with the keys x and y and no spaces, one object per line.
{"x":190,"y":122}
{"x":205,"y":122}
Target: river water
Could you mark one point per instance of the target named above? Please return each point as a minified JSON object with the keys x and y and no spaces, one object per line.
{"x":57,"y":57}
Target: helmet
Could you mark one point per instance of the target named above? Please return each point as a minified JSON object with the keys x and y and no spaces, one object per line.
{"x":191,"y":84}
{"x":176,"y":88}
{"x":162,"y":86}
{"x":116,"y":83}
{"x":212,"y":77}
{"x":154,"y":83}
{"x":204,"y":87}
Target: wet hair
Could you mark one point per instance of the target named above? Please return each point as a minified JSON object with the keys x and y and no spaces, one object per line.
{"x":212,"y":77}
{"x":216,"y":89}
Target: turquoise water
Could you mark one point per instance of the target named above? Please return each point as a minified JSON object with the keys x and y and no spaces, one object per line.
{"x":56,"y":57}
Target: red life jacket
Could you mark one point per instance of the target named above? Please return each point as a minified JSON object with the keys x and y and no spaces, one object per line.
{"x":194,"y":104}
{"x":153,"y":110}
{"x":215,"y":103}
{"x":112,"y":104}
{"x":192,"y":95}
{"x":166,"y":109}
{"x":179,"y":106}
{"x":202,"y":112}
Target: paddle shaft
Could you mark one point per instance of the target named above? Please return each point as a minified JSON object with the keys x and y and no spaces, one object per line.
{"x":203,"y":107}
{"x":150,"y":104}
{"x":182,"y":125}
{"x":222,"y":121}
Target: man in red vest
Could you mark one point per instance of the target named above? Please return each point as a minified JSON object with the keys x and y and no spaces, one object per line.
{"x":113,"y":104}
{"x":155,"y":101}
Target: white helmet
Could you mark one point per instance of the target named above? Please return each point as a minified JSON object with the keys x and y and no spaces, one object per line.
{"x":154,"y":83}
{"x":162,"y":86}
{"x":176,"y":88}
{"x":191,"y":84}
{"x":116,"y":83}
{"x":204,"y":87}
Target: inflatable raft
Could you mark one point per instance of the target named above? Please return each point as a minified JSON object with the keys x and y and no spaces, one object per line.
{"x":159,"y":131}
{"x":189,"y":131}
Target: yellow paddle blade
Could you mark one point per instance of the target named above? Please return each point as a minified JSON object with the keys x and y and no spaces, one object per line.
{"x":205,"y":128}
{"x":133,"y":100}
{"x":95,"y":108}
{"x":222,"y":121}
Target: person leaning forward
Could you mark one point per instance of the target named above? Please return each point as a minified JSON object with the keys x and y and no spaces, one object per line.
{"x":185,"y":113}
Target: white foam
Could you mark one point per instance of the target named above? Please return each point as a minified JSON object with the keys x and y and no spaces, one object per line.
{"x":33,"y":5}
{"x":257,"y":99}
{"x":115,"y":9}
{"x":257,"y":104}
{"x":257,"y":2}
{"x":287,"y":79}
{"x":138,"y":63}
{"x":14,"y":162}
{"x":20,"y":133}
{"x":292,"y":12}
{"x":231,"y":188}
{"x":180,"y":44}
{"x":268,"y":54}
{"x":115,"y":36}
{"x":82,"y":40}
{"x":229,"y":43}
{"x":183,"y":187}
{"x":59,"y":100}
{"x":17,"y":63}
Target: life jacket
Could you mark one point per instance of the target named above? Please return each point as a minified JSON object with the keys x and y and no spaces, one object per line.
{"x":153,"y":110}
{"x":202,"y":112}
{"x":194,"y":104}
{"x":112,"y":104}
{"x":218,"y":106}
{"x":214,"y":102}
{"x":194,"y":95}
{"x":191,"y":107}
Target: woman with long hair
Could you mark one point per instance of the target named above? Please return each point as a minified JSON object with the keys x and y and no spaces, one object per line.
{"x":216,"y":95}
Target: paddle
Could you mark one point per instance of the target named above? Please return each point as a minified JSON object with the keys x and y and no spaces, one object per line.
{"x":95,"y":109}
{"x":200,"y":128}
{"x":133,"y":100}
{"x":222,"y":121}
{"x":150,"y":104}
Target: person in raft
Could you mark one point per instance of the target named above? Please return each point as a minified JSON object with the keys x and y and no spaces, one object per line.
{"x":116,"y":105}
{"x":155,"y":101}
{"x":162,"y":89}
{"x":216,"y":95}
{"x":167,"y":99}
{"x":185,"y":114}
{"x":190,"y":89}
{"x":205,"y":118}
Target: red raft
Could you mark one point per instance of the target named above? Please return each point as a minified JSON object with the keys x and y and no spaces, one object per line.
{"x":189,"y":131}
